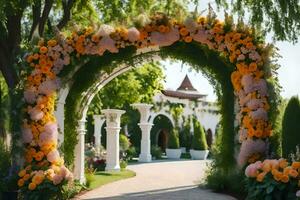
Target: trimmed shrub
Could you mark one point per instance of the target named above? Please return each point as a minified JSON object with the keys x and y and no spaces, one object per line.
{"x":199,"y":139}
{"x":156,"y":152}
{"x":173,"y":142}
{"x":185,"y":137}
{"x":124,"y":142}
{"x":291,"y":127}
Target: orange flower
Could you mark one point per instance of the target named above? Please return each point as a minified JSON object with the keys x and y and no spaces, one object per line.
{"x":20,"y":182}
{"x":162,"y":29}
{"x":260,"y":177}
{"x":283,"y":163}
{"x":293,"y":173}
{"x":51,"y":43}
{"x":183,"y":31}
{"x":258,"y":133}
{"x":22,"y":173}
{"x":95,"y":38}
{"x":31,"y":186}
{"x":252,"y":67}
{"x":296,"y":165}
{"x":38,"y":178}
{"x":39,"y":156}
{"x":26,"y":177}
{"x":43,"y":49}
{"x":285,"y":179}
{"x":188,"y":39}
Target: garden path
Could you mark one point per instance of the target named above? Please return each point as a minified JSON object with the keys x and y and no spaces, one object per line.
{"x":163,"y":180}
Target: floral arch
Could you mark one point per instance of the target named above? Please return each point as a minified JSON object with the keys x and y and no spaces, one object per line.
{"x":236,"y":62}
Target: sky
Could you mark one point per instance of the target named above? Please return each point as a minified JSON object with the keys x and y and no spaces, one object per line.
{"x":288,"y":73}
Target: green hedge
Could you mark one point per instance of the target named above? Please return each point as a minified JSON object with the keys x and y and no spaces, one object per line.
{"x":291,"y":127}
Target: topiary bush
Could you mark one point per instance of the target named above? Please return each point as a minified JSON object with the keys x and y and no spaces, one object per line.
{"x":156,"y":152}
{"x":173,"y":142}
{"x":291,"y":127}
{"x":199,"y":139}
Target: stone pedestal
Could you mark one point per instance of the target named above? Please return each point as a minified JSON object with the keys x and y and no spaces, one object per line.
{"x":113,"y":118}
{"x":79,"y":153}
{"x":98,"y":122}
{"x":145,"y":127}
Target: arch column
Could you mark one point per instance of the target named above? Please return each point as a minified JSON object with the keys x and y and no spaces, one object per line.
{"x":98,"y":122}
{"x":145,"y":126}
{"x":113,"y":118}
{"x":79,"y":152}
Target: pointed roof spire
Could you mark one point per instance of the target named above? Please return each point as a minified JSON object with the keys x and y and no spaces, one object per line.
{"x":186,"y":85}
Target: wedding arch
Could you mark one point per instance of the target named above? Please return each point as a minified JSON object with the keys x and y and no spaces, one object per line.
{"x":78,"y":65}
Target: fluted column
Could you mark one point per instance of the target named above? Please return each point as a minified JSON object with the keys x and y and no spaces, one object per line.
{"x":98,"y":122}
{"x":79,"y":153}
{"x":113,"y":118}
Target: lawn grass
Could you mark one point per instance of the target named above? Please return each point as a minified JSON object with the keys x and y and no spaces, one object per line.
{"x":102,"y":178}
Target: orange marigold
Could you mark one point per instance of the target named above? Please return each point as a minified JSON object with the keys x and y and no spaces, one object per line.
{"x":20,"y":182}
{"x":43,"y":49}
{"x":183,"y":31}
{"x":188,"y":39}
{"x":31,"y":186}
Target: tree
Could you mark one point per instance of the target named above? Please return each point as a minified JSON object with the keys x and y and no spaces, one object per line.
{"x":291,"y":127}
{"x":281,"y":17}
{"x":173,"y":140}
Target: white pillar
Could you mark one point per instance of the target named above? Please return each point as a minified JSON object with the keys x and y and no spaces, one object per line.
{"x":79,"y":153}
{"x":145,"y":155}
{"x":98,"y":122}
{"x":144,"y":109}
{"x":59,"y":114}
{"x":113,"y":118}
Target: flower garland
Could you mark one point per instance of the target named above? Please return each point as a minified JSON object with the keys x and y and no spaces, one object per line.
{"x":43,"y":162}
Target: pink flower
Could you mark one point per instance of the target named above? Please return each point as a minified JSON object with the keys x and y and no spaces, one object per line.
{"x":106,"y":43}
{"x":36,"y":114}
{"x":46,"y":137}
{"x":252,"y":170}
{"x":53,"y":156}
{"x":201,"y":36}
{"x":255,"y":104}
{"x":259,"y":114}
{"x":51,"y":127}
{"x":165,"y":39}
{"x":248,"y":83}
{"x":57,"y":179}
{"x":105,"y":30}
{"x":30,"y":95}
{"x":241,"y":57}
{"x":261,"y":86}
{"x":250,"y":147}
{"x":27,"y":135}
{"x":133,"y":34}
{"x":254,"y":56}
{"x":49,"y":86}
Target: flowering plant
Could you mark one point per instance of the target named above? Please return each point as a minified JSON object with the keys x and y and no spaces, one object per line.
{"x":273,"y":179}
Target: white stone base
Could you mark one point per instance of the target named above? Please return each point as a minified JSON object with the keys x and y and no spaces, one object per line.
{"x":113,"y":168}
{"x":173,"y":153}
{"x":199,"y":155}
{"x":145,"y":158}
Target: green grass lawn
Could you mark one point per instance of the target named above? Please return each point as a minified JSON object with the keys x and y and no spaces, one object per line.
{"x":102,"y":178}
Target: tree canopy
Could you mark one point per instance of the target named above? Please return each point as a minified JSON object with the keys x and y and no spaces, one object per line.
{"x":280,"y":17}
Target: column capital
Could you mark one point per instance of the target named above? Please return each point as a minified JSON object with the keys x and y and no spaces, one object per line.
{"x":113,"y":117}
{"x":144,"y":110}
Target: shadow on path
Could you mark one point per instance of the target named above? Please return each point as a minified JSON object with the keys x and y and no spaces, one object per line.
{"x":177,"y":193}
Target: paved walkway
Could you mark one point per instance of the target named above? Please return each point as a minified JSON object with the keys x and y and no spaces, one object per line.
{"x":167,"y":180}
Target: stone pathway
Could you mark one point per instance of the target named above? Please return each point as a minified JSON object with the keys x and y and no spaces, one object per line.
{"x":166,"y":180}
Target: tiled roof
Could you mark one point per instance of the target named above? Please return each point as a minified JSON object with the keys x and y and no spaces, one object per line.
{"x":182,"y":95}
{"x":186,"y":85}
